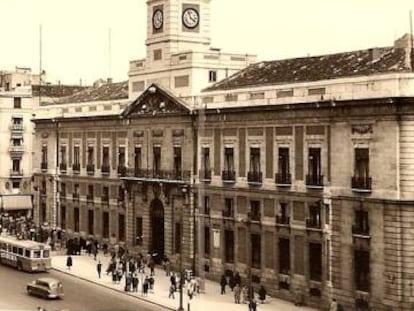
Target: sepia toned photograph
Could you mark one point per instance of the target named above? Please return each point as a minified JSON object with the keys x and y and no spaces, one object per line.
{"x":200,"y":155}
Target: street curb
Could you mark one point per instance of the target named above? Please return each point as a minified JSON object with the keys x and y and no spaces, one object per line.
{"x":114,"y":289}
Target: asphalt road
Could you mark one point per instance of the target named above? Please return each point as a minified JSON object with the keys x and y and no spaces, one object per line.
{"x":79,"y":295}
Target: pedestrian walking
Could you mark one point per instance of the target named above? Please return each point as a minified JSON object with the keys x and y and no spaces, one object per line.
{"x":167,"y":267}
{"x":262,"y":294}
{"x":145,"y":286}
{"x":237,"y":293}
{"x":69,"y":262}
{"x":151,"y":265}
{"x":232,"y":282}
{"x":151,"y":282}
{"x":172,"y":280}
{"x":237,"y":279}
{"x":99,"y":268}
{"x":95,"y":252}
{"x":244,"y":293}
{"x":223,"y":284}
{"x":135,"y":282}
{"x":171,"y":291}
{"x":252,"y":305}
{"x":114,"y":276}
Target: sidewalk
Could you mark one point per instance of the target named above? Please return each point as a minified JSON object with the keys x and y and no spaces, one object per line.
{"x":84,"y":267}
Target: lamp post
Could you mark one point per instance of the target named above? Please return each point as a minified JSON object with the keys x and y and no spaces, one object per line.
{"x":249,"y":259}
{"x":180,"y":307}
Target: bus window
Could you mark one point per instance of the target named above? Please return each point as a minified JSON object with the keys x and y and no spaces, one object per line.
{"x":3,"y":246}
{"x":20,"y":251}
{"x":15,"y":249}
{"x":36,"y":254}
{"x":27,"y":253}
{"x":9,"y":248}
{"x":45,"y":253}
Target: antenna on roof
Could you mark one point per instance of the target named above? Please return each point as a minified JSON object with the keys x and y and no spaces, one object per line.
{"x":411,"y":42}
{"x":40,"y":62}
{"x":109,"y":53}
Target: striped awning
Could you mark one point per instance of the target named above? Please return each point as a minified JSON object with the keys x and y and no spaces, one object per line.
{"x":16,"y":202}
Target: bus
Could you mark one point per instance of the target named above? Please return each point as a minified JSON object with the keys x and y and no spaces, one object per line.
{"x":25,"y":255}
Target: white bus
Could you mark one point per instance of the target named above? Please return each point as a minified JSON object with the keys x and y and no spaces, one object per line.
{"x":25,"y":255}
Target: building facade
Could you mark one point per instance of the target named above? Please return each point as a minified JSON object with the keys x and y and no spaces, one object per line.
{"x":301,"y":183}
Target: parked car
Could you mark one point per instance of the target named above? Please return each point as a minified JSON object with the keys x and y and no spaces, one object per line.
{"x":46,"y":288}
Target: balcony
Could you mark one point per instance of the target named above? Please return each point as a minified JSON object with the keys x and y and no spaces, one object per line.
{"x":314,"y":223}
{"x":314,"y":181}
{"x":16,"y":173}
{"x":228,"y":176}
{"x":105,"y":201}
{"x":43,"y":166}
{"x":105,"y":169}
{"x":17,"y":130}
{"x":16,"y":151}
{"x":75,"y":196}
{"x":89,"y":199}
{"x":361,"y":231}
{"x":254,"y":178}
{"x":122,"y":170}
{"x":227,"y":214}
{"x":361,"y":184}
{"x":205,"y":175}
{"x":62,"y":167}
{"x":282,"y":220}
{"x":283,"y":179}
{"x":62,"y":196}
{"x":90,"y":169}
{"x":159,"y":175}
{"x":76,"y":168}
{"x":255,"y":217}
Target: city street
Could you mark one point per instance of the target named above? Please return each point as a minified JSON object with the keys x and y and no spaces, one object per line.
{"x":79,"y":295}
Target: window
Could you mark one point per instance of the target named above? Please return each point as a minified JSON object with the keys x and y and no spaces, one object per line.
{"x":27,"y":253}
{"x":62,"y":189}
{"x":212,"y":76}
{"x":361,"y":270}
{"x":157,"y":54}
{"x":259,"y":95}
{"x":284,"y":256}
{"x":76,"y":156}
{"x":314,"y":176}
{"x":105,"y":194}
{"x":121,"y":156}
{"x":228,"y":159}
{"x":121,"y":227}
{"x":138,"y":231}
{"x":205,"y":163}
{"x":361,"y":222}
{"x":44,"y":155}
{"x":315,"y":261}
{"x":206,"y":207}
{"x":90,"y":193}
{"x":255,"y":210}
{"x":314,"y":220}
{"x":76,"y":189}
{"x":361,"y":178}
{"x":156,"y":159}
{"x":91,"y":155}
{"x":137,"y":158}
{"x":316,"y":91}
{"x":255,"y":160}
{"x":17,"y":103}
{"x":283,"y":164}
{"x":76,"y":219}
{"x":206,"y":241}
{"x":63,"y":154}
{"x":178,"y":238}
{"x":17,"y":142}
{"x":284,"y":93}
{"x":105,"y":156}
{"x":16,"y":165}
{"x":105,"y":225}
{"x":90,"y":222}
{"x":284,"y":213}
{"x":229,"y":245}
{"x":16,"y":184}
{"x":63,"y":216}
{"x":230,"y":97}
{"x":17,"y":121}
{"x":228,"y":208}
{"x":121,"y":193}
{"x":256,"y":250}
{"x":177,"y":161}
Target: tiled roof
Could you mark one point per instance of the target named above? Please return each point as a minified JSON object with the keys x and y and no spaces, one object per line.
{"x":340,"y":65}
{"x":55,"y":90}
{"x":109,"y":91}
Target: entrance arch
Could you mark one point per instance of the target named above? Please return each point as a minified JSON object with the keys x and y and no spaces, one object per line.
{"x":157,"y":229}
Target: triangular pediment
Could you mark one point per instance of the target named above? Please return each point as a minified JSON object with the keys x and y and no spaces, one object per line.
{"x":156,"y":100}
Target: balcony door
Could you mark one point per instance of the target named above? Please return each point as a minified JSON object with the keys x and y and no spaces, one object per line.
{"x":157,"y":229}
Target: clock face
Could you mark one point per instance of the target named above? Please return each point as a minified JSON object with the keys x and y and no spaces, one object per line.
{"x":191,"y":18}
{"x":157,"y":19}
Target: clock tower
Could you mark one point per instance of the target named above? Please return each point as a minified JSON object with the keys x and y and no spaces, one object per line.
{"x":177,"y":25}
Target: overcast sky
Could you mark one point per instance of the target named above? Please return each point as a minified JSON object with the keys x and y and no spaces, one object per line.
{"x":75,"y":32}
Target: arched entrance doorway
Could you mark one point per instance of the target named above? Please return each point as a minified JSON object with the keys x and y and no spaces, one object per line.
{"x":157,"y":229}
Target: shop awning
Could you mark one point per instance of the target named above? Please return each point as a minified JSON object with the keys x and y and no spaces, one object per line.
{"x":16,"y":202}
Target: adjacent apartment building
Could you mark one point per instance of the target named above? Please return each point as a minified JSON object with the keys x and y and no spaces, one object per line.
{"x":295,"y":173}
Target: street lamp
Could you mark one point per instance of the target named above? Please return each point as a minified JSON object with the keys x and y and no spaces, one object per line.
{"x":249,"y":247}
{"x":180,"y":307}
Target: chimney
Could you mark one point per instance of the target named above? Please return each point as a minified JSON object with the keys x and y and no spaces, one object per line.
{"x":406,"y":42}
{"x":375,"y":54}
{"x":109,"y":80}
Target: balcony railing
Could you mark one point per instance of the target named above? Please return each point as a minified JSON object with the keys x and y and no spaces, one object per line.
{"x":227,"y":213}
{"x":254,"y":177}
{"x":43,"y":166}
{"x":89,"y":198}
{"x":313,"y":223}
{"x":90,"y":169}
{"x":228,"y":176}
{"x":105,"y":200}
{"x":159,"y":174}
{"x":360,"y":230}
{"x":282,"y":220}
{"x":17,"y":130}
{"x":62,"y":196}
{"x":361,"y":183}
{"x":16,"y":149}
{"x":122,"y":170}
{"x":76,"y":168}
{"x":314,"y":180}
{"x":62,"y":167}
{"x":105,"y":169}
{"x":16,"y":173}
{"x":205,"y":175}
{"x":255,"y":216}
{"x":75,"y":196}
{"x":283,"y":179}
